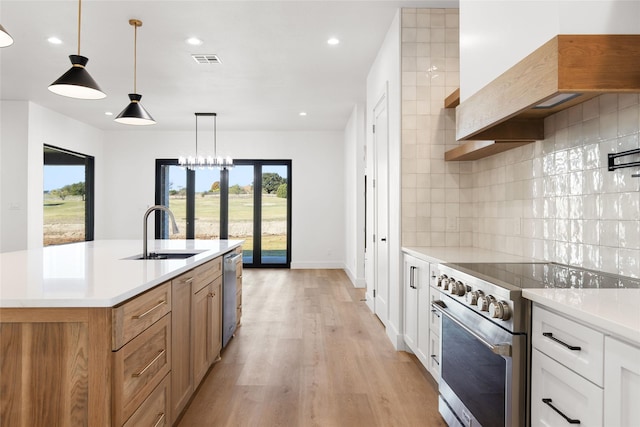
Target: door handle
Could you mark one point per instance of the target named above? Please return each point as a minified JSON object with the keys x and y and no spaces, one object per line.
{"x":384,"y":239}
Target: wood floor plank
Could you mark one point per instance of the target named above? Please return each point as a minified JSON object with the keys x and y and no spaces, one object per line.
{"x":310,"y":353}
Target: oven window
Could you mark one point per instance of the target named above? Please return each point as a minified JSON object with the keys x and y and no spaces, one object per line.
{"x":474,"y":373}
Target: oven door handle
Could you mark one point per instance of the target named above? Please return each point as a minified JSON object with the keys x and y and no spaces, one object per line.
{"x":502,"y":349}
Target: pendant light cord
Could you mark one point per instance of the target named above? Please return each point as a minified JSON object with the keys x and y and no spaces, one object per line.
{"x":79,"y":22}
{"x":135,"y":56}
{"x":196,"y":137}
{"x":215,"y":131}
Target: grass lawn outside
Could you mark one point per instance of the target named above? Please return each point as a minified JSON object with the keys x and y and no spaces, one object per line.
{"x":64,"y":219}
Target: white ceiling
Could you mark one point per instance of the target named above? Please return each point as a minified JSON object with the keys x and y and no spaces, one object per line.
{"x":275,"y":58}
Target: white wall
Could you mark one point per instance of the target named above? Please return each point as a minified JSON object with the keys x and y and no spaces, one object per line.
{"x":354,"y":143}
{"x":318,"y":209}
{"x":494,"y":35}
{"x":13,"y":188}
{"x":385,"y":72}
{"x":26,"y":127}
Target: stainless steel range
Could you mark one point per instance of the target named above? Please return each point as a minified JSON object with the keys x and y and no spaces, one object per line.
{"x":485,"y":338}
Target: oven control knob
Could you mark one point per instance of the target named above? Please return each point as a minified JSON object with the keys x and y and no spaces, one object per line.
{"x":446,"y":282}
{"x":484,"y":301}
{"x":460,"y":289}
{"x":472,"y":297}
{"x":453,"y":285}
{"x":499,"y":310}
{"x":441,"y":280}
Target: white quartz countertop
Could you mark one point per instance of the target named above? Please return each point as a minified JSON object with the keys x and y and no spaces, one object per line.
{"x":442,"y":254}
{"x":614,"y":311}
{"x":97,"y":273}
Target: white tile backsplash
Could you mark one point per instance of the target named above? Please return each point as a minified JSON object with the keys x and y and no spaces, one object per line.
{"x":588,"y":216}
{"x":553,"y":199}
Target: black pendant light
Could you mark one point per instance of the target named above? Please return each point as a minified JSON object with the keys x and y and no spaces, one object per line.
{"x":5,"y":37}
{"x":134,"y":113}
{"x":77,"y":82}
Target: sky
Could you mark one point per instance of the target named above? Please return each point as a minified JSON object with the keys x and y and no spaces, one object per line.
{"x":58,"y":176}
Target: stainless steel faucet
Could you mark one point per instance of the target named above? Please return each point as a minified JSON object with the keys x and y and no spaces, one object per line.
{"x":174,"y":226}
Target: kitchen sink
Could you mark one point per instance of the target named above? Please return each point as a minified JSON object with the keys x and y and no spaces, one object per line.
{"x":166,"y":255}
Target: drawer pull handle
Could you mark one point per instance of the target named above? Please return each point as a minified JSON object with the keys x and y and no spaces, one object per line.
{"x":155,"y":359}
{"x":548,"y":401}
{"x":435,"y":359}
{"x":152,"y":309}
{"x":434,"y":311}
{"x":189,"y":280}
{"x":160,"y":419}
{"x":570,"y":347}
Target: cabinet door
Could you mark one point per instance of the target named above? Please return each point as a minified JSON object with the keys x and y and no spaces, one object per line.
{"x":557,"y":392}
{"x":214,"y":339}
{"x":621,"y":384}
{"x":411,"y":302}
{"x":181,"y":367}
{"x":200,"y":319}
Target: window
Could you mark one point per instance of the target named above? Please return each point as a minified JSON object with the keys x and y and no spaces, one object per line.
{"x":68,"y":196}
{"x":250,"y":202}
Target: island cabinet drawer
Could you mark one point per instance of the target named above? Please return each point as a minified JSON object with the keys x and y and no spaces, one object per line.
{"x":154,"y":410}
{"x":570,"y":343}
{"x":202,"y":275}
{"x":137,"y":314}
{"x":139,"y":367}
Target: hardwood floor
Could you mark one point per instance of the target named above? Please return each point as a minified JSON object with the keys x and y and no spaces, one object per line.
{"x":310,"y":353}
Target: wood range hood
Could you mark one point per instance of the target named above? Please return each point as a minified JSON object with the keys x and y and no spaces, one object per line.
{"x":565,"y":71}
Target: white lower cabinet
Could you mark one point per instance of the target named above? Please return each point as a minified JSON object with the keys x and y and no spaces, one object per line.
{"x":417,"y":307}
{"x":580,"y":375}
{"x":559,"y":396}
{"x":621,"y":384}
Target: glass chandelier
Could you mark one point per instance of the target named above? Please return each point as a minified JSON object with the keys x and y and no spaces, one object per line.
{"x":210,"y":162}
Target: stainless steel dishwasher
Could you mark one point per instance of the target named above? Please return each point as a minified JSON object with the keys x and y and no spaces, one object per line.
{"x":229,"y":303}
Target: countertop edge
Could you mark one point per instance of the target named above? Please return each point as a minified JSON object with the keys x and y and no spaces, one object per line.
{"x":623,"y":330}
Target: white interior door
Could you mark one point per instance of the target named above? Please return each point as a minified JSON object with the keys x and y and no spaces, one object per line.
{"x":381,"y":209}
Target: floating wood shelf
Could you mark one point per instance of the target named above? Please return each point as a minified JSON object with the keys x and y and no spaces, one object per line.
{"x":453,"y":100}
{"x":474,"y":150}
{"x":586,"y":65}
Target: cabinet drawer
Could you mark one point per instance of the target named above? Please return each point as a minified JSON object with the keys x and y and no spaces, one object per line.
{"x":137,"y":314}
{"x":554,"y":334}
{"x":564,"y":390}
{"x":154,"y":410}
{"x":204,"y":274}
{"x":434,"y":356}
{"x":434,"y":315}
{"x":139,"y":367}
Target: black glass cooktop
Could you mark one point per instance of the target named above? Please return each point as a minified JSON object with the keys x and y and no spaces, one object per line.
{"x":547,"y":275}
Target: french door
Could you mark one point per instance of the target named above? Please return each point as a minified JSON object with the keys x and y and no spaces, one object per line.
{"x":250,"y":202}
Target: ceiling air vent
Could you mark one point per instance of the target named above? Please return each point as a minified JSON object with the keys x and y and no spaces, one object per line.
{"x":206,"y":59}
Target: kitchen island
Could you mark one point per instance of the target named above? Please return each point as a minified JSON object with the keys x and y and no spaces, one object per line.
{"x":92,"y":336}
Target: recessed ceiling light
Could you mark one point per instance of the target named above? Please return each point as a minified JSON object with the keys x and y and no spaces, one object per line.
{"x":54,"y":40}
{"x":302,"y":113}
{"x":333,"y":41}
{"x":194,"y":41}
{"x":108,"y":113}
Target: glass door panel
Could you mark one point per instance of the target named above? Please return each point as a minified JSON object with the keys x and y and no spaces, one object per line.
{"x":273,"y":247}
{"x":241,"y":208}
{"x":174,"y":196}
{"x":207,"y":204}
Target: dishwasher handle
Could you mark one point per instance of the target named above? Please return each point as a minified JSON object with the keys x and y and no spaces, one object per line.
{"x":233,"y":258}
